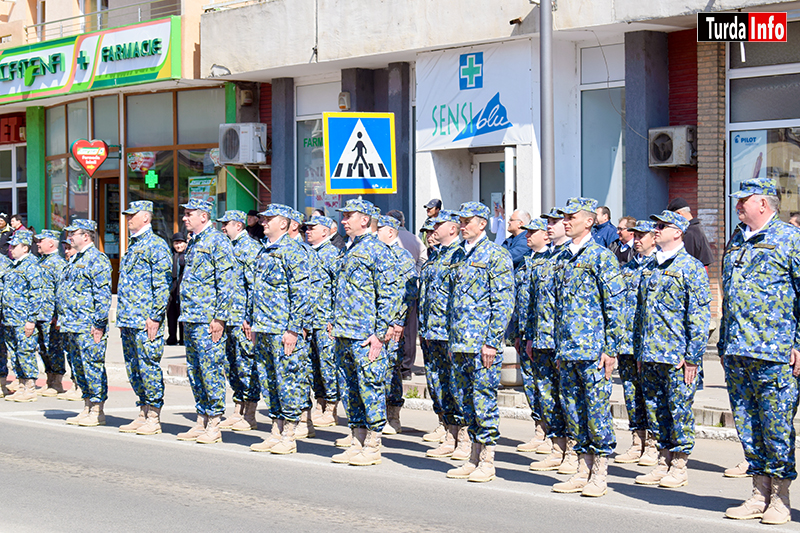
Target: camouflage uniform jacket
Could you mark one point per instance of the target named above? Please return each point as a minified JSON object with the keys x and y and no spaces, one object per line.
{"x":541,"y":302}
{"x":673,"y":313}
{"x":282,"y":291}
{"x":145,"y":276}
{"x":481,"y":297}
{"x":52,"y":266}
{"x":84,"y":295}
{"x":434,"y":287}
{"x":522,"y":291}
{"x":631,"y":274}
{"x":207,"y":285}
{"x":245,"y":253}
{"x":315,"y":283}
{"x":327,"y":256}
{"x":761,"y":289}
{"x":22,"y":291}
{"x":589,"y":295}
{"x":408,"y":277}
{"x":368,"y":293}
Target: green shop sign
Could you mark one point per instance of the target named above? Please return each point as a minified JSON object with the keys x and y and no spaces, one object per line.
{"x":128,"y":55}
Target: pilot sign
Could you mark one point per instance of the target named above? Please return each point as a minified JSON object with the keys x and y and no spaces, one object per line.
{"x":359,"y":153}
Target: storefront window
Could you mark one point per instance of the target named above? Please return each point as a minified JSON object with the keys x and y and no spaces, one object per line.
{"x":78,"y":191}
{"x":56,"y":171}
{"x":13,"y":190}
{"x":56,"y":121}
{"x":151,"y":177}
{"x":22,"y":164}
{"x":149,"y":120}
{"x":311,"y":170}
{"x":77,"y":121}
{"x":200,"y":127}
{"x":198,"y":177}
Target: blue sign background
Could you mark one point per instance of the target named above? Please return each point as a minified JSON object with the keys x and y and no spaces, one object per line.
{"x":339,"y":130}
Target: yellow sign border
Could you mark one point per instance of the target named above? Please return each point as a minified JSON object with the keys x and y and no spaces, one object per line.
{"x":327,"y":155}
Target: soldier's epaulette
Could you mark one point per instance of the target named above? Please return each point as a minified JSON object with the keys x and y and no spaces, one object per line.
{"x":764,"y":245}
{"x":733,"y":247}
{"x":671,"y":274}
{"x":360,"y":255}
{"x":478,"y":264}
{"x":78,"y":265}
{"x":558,"y":266}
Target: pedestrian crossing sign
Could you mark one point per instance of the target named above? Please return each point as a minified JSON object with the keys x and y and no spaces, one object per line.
{"x":359,"y":153}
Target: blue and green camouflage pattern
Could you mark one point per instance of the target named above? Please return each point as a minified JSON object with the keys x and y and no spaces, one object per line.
{"x":22,"y":292}
{"x":145,"y":276}
{"x":434,"y":287}
{"x":668,"y":400}
{"x":83,"y":297}
{"x":207,"y":286}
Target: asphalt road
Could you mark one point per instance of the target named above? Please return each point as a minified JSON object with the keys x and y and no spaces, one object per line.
{"x":59,"y":478}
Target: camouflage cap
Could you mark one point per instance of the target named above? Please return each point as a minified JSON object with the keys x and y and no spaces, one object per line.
{"x":200,"y":205}
{"x":320,"y":220}
{"x":555,"y":214}
{"x":446,"y":215}
{"x":579,"y":204}
{"x":277,"y":210}
{"x":644,"y":226}
{"x":357,"y":205}
{"x":49,"y":234}
{"x":536,"y":224}
{"x":376,"y":211}
{"x":21,"y":237}
{"x":234,"y":216}
{"x":297,"y":216}
{"x":672,"y":218}
{"x":391,"y":222}
{"x":473,"y":209}
{"x":82,"y":224}
{"x":763,"y":186}
{"x":139,"y":205}
{"x":428,"y":225}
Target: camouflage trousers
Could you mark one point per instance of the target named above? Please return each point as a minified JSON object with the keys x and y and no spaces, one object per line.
{"x":323,"y":365}
{"x":205,"y":367}
{"x":303,"y":352}
{"x":88,"y":364}
{"x":668,"y":400}
{"x":143,"y":363}
{"x":585,"y":397}
{"x":283,"y":377}
{"x":361,"y":383}
{"x":394,"y":372}
{"x":475,"y":391}
{"x":530,"y":374}
{"x":632,"y":389}
{"x":51,"y":348}
{"x":241,"y":366}
{"x":22,"y":351}
{"x":3,"y":355}
{"x":548,"y":386}
{"x":439,"y":375}
{"x":763,"y":396}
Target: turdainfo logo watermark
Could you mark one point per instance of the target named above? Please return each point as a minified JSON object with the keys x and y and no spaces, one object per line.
{"x":741,"y":27}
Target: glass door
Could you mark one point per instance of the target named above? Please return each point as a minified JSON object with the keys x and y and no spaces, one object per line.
{"x":108,"y":223}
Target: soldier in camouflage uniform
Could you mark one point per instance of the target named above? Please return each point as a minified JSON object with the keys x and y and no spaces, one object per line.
{"x":21,"y":306}
{"x":367,"y":297}
{"x":479,"y":309}
{"x":51,"y":347}
{"x":145,"y":275}
{"x":589,"y":295}
{"x":758,"y":344}
{"x":74,"y":394}
{"x":206,"y":297}
{"x":434,"y":340}
{"x":388,"y":228}
{"x":643,"y":448}
{"x":241,"y":361}
{"x":84,"y":298}
{"x":5,"y":263}
{"x":323,"y":358}
{"x":669,"y":340}
{"x":281,"y":297}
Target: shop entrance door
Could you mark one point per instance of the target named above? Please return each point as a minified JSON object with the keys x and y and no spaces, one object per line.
{"x":107,"y":208}
{"x":488,"y":175}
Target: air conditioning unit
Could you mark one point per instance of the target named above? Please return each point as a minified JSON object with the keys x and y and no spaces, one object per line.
{"x":674,"y":146}
{"x":243,"y":144}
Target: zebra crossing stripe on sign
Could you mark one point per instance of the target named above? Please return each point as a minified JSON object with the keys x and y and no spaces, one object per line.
{"x":359,"y":153}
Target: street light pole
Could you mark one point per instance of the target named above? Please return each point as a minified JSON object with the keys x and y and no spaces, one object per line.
{"x":547,"y":124}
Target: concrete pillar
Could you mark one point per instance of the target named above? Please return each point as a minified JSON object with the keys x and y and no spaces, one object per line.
{"x":646,"y":106}
{"x":359,"y":82}
{"x":399,"y":100}
{"x":283,"y":162}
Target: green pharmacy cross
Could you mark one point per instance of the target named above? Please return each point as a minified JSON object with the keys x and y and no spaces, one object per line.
{"x":151,"y":179}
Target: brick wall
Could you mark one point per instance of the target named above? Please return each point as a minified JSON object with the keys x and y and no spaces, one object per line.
{"x":683,"y":106}
{"x":265,"y":116}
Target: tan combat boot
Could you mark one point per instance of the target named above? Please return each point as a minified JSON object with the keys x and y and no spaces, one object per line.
{"x":370,"y":453}
{"x":485,"y":471}
{"x":74,"y":420}
{"x":304,"y":429}
{"x":597,"y":485}
{"x":739,"y":470}
{"x":319,"y":410}
{"x":96,"y":416}
{"x":248,"y":420}
{"x":447,"y":447}
{"x":273,"y":439}
{"x":569,"y":465}
{"x":554,"y":460}
{"x":580,"y":479}
{"x":198,"y":429}
{"x":212,"y":434}
{"x":650,"y":454}
{"x":152,"y":425}
{"x":438,"y":434}
{"x":344,"y":442}
{"x":287,"y":444}
{"x":12,"y":386}
{"x":756,"y":504}
{"x":546,"y":447}
{"x":26,"y":392}
{"x":634,"y":453}
{"x":678,"y":474}
{"x":393,"y":426}
{"x":328,"y":416}
{"x":4,"y":387}
{"x":655,"y":476}
{"x":463,"y":471}
{"x":48,"y":390}
{"x":463,"y":445}
{"x":229,"y":421}
{"x":779,"y":510}
{"x":539,"y":436}
{"x":136,"y":423}
{"x":72,"y":395}
{"x":357,"y":437}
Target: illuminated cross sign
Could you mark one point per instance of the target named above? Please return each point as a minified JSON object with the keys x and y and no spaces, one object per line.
{"x":151,"y":179}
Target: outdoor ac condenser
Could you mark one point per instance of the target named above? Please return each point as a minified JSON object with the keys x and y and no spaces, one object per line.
{"x":673,"y":146}
{"x":243,"y":144}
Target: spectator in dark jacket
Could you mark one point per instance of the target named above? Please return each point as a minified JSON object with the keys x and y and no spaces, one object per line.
{"x":694,"y":238}
{"x":174,"y":304}
{"x":604,"y":232}
{"x":254,"y":229}
{"x":517,"y":243}
{"x":623,"y":247}
{"x":5,"y":234}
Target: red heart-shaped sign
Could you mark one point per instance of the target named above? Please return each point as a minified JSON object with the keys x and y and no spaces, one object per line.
{"x":90,"y":154}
